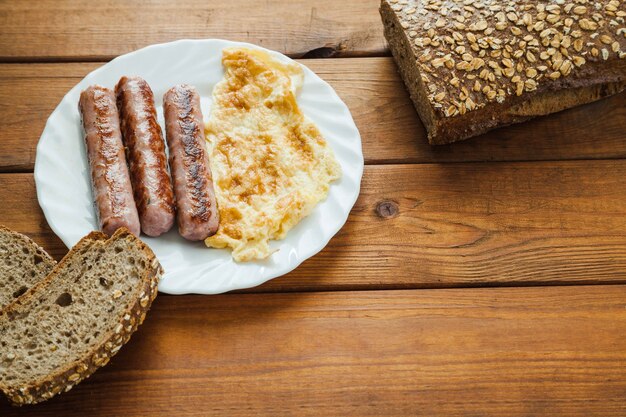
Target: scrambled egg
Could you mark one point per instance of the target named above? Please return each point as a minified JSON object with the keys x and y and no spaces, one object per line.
{"x":270,"y":164}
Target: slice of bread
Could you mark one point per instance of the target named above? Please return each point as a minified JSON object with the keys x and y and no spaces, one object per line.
{"x":23,"y":263}
{"x":73,"y":321}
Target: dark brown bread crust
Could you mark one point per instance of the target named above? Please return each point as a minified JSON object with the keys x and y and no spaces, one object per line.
{"x":448,"y":118}
{"x":189,"y":164}
{"x":66,"y":378}
{"x":143,"y":139}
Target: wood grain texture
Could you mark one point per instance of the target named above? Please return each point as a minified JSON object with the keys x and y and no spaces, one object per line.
{"x":470,"y":352}
{"x":440,"y":225}
{"x":83,"y":29}
{"x":390,"y":128}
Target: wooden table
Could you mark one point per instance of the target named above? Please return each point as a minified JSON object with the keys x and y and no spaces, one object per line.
{"x":483,"y":278}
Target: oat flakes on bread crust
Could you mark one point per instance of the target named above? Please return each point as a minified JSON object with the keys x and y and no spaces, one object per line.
{"x":22,"y":264}
{"x":116,"y":291}
{"x":474,"y":65}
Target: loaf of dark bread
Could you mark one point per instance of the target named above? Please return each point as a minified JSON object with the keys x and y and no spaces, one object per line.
{"x":74,"y":320}
{"x":474,"y":65}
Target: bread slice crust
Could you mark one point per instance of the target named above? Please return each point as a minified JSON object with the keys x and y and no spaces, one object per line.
{"x":66,"y":377}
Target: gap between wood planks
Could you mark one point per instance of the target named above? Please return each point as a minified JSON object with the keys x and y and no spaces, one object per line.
{"x":323,"y":52}
{"x":363,"y":288}
{"x":28,"y":170}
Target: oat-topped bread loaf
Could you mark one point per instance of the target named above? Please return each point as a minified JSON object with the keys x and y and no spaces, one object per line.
{"x":473,"y":65}
{"x":74,"y":320}
{"x":23,"y":263}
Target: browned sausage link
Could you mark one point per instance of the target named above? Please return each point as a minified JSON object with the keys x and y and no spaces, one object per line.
{"x":193,"y":184}
{"x":146,"y":155}
{"x":110,"y":180}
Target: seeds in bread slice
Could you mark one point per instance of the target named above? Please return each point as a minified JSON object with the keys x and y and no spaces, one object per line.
{"x":72,"y":322}
{"x":23,"y":263}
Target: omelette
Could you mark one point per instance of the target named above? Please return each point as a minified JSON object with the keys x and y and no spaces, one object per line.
{"x":270,"y":164}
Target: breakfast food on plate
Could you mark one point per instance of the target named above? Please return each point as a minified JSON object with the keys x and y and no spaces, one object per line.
{"x":471,"y":66}
{"x":197,"y":214}
{"x":23,"y":263}
{"x":270,"y":163}
{"x":146,"y":155}
{"x":73,"y":321}
{"x":110,"y":180}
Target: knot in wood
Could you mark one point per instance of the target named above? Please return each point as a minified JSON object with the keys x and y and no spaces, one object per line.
{"x":322,"y":52}
{"x":387,"y":209}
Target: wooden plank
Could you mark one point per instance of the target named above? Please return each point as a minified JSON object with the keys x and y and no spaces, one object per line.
{"x":446,"y":225}
{"x":390,"y":128}
{"x":83,"y":29}
{"x":471,"y":352}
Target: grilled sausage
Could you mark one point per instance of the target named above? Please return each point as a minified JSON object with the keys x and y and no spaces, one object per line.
{"x":146,"y":155}
{"x":197,"y":213}
{"x":110,"y":179}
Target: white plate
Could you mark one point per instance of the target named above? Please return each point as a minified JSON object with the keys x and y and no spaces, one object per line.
{"x":63,"y":183}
